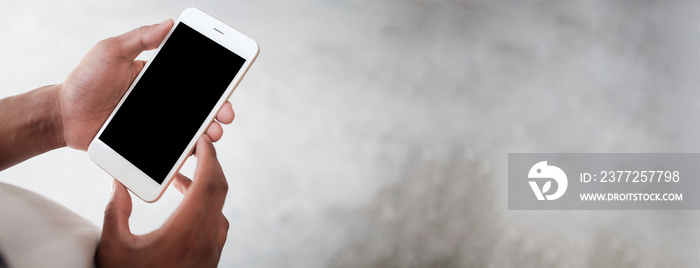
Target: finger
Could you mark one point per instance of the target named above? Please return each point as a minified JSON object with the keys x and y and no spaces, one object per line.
{"x":118,"y":211}
{"x":215,"y":131}
{"x":138,"y":66}
{"x":223,"y":230}
{"x":226,"y":114}
{"x":194,"y":152}
{"x":181,"y":183}
{"x":129,"y":45}
{"x":209,"y":188}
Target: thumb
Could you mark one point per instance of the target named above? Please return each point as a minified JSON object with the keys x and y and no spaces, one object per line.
{"x":129,"y":45}
{"x":209,"y":185}
{"x":118,"y":210}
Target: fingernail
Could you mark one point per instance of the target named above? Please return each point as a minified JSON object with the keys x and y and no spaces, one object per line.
{"x":163,"y":22}
{"x":112,"y":192}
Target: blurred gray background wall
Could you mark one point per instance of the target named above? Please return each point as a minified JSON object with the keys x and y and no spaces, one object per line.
{"x":376,"y":133}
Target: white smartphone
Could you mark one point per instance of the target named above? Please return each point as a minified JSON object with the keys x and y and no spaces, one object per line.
{"x":179,"y":92}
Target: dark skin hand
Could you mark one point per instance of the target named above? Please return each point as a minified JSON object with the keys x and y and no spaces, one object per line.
{"x":90,"y":93}
{"x":192,"y":237}
{"x":71,"y":113}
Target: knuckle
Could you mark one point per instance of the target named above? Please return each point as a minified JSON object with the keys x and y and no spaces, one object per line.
{"x":141,"y":30}
{"x":218,"y":185}
{"x":109,"y":213}
{"x":226,"y":223}
{"x":212,"y":187}
{"x":223,"y":184}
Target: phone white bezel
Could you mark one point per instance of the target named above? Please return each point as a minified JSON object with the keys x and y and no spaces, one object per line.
{"x":121,"y":169}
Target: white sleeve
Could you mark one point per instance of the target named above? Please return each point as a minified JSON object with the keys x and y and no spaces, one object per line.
{"x":38,"y":232}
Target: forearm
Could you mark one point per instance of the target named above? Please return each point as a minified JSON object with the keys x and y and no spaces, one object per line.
{"x":30,"y":125}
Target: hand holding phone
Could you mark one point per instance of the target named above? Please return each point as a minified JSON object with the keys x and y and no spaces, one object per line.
{"x":177,"y":94}
{"x":192,"y":237}
{"x":89,"y":94}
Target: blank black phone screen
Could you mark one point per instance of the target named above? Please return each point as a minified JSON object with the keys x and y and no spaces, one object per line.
{"x":171,"y":101}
